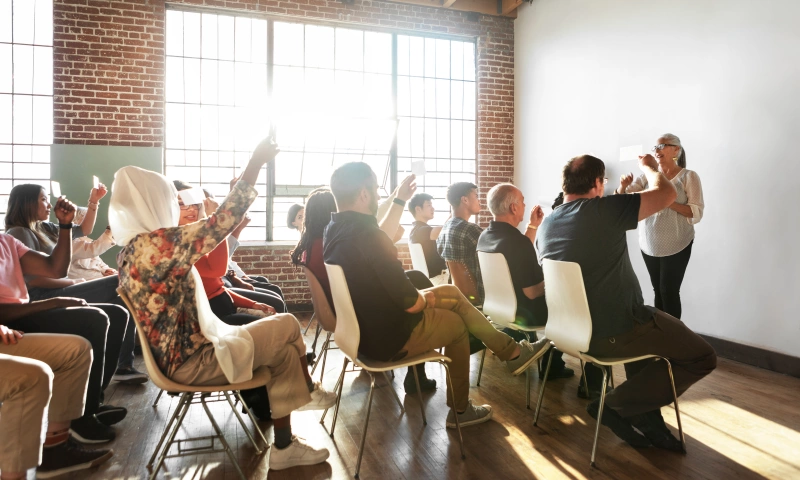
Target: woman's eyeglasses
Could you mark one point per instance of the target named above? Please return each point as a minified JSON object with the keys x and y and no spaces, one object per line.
{"x":661,"y":146}
{"x":196,"y":206}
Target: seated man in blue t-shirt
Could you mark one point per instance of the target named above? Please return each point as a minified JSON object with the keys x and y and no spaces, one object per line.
{"x":590,"y":229}
{"x":507,"y":205}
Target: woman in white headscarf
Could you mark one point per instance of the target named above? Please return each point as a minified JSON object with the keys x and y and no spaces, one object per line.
{"x":189,"y":343}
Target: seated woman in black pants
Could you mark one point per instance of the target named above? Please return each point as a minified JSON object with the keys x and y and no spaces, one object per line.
{"x":27,"y":221}
{"x":103,"y":325}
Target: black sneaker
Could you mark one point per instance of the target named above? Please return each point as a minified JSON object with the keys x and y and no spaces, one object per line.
{"x":618,"y":424}
{"x":129,"y":376}
{"x":425,"y":383}
{"x":652,"y":425}
{"x":88,"y":429}
{"x":111,"y":415}
{"x":69,"y":457}
{"x":593,"y":394}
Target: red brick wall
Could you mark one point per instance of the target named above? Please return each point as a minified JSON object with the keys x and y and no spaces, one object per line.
{"x":108,"y":69}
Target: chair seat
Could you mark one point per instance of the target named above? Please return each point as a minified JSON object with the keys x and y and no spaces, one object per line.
{"x":260,"y":378}
{"x":615,"y":360}
{"x":378,"y":366}
{"x":514,"y":326}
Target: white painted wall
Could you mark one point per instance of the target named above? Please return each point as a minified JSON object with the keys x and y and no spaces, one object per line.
{"x":724,"y":75}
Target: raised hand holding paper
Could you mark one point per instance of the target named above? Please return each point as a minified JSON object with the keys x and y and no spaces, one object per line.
{"x":630,"y":153}
{"x":55,"y":189}
{"x":193,"y":196}
{"x":95,"y":181}
{"x":418,"y":168}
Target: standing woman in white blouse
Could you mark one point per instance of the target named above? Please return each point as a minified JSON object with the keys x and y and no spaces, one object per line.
{"x":666,"y":238}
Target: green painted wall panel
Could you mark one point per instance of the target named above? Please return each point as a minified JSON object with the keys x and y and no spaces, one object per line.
{"x":74,"y":165}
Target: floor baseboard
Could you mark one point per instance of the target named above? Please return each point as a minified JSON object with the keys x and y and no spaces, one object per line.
{"x":758,"y":357}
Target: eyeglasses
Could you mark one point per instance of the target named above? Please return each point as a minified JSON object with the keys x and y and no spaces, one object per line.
{"x":196,"y":206}
{"x":661,"y":146}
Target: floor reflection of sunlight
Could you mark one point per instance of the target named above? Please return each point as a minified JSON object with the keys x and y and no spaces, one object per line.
{"x":769,"y":448}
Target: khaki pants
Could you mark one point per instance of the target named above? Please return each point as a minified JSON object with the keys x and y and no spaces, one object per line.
{"x":278,"y":346}
{"x":447,"y":325}
{"x":647,"y":387}
{"x":38,"y":365}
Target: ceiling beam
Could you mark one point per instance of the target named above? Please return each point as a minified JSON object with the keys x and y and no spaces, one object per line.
{"x":448,"y":3}
{"x":487,"y":7}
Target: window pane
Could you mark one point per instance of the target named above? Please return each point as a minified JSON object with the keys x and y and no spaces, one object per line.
{"x":457,"y":99}
{"x":23,"y":21}
{"x":469,"y":100}
{"x":208,"y":81}
{"x":43,"y":23}
{"x":469,"y":62}
{"x":319,"y":46}
{"x":5,"y":118}
{"x":225,"y":35}
{"x":23,"y":69}
{"x":378,"y":52}
{"x":443,"y":58}
{"x":210,"y":127}
{"x":227,"y":87}
{"x":191,"y":80}
{"x":456,"y":139}
{"x":243,"y":39}
{"x":430,"y":97}
{"x":442,"y":98}
{"x":42,"y":120}
{"x":457,"y":59}
{"x":23,"y":119}
{"x":43,"y":70}
{"x":417,"y":50}
{"x":402,"y":55}
{"x":6,"y":80}
{"x":349,"y":49}
{"x":259,"y":38}
{"x":174,"y":80}
{"x":192,"y":124}
{"x":469,"y":140}
{"x":191,"y":34}
{"x":174,"y":125}
{"x":288,"y":43}
{"x":443,"y":138}
{"x":5,"y":22}
{"x":430,"y":57}
{"x":209,"y":36}
{"x":174,"y":34}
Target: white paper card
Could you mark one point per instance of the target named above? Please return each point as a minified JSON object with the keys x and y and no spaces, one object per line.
{"x":630,"y":153}
{"x":95,"y":182}
{"x":193,"y":196}
{"x":418,"y":168}
{"x":55,"y":189}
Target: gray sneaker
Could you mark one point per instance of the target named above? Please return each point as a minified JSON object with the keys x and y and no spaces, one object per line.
{"x":473,"y":415}
{"x":528,"y":353}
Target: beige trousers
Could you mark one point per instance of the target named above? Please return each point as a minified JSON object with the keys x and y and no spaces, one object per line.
{"x":446,"y":325}
{"x":38,"y":365}
{"x":278,"y":346}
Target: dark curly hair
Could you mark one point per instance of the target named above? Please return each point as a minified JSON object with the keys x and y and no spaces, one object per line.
{"x":319,"y":206}
{"x":581,"y":173}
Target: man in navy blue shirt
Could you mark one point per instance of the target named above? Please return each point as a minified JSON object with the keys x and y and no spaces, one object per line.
{"x":396,"y":319}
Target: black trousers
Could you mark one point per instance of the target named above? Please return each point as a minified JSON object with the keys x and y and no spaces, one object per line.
{"x":101,"y":290}
{"x":263,"y":296}
{"x":666,"y":275}
{"x":223,"y":307}
{"x":258,"y":282}
{"x":103,"y":325}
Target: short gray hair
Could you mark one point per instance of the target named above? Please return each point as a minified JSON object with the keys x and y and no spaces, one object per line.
{"x":501,"y":197}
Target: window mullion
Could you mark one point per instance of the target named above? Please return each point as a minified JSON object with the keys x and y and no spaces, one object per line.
{"x":270,"y":165}
{"x":393,"y":151}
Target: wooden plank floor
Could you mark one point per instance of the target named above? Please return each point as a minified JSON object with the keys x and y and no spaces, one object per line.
{"x":741,"y":422}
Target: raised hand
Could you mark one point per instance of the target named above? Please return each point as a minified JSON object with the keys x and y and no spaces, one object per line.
{"x":64,"y":210}
{"x":407,"y":188}
{"x":648,"y":162}
{"x":98,"y":193}
{"x":265,"y":151}
{"x":537,"y":216}
{"x":625,"y":182}
{"x":210,"y":205}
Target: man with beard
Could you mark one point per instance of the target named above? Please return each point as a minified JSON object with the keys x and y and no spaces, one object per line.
{"x":396,"y":319}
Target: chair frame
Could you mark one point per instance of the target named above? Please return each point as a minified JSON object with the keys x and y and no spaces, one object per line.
{"x":189,"y":395}
{"x":498,"y":318}
{"x":606,"y":364}
{"x":346,"y":313}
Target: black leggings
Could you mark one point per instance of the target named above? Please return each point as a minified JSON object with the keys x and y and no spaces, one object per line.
{"x":101,"y":290}
{"x":103,"y":325}
{"x":666,"y":275}
{"x":223,"y":307}
{"x":263,"y":296}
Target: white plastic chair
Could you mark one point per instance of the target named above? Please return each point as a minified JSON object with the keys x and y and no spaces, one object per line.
{"x":192,"y":394}
{"x":500,"y":301}
{"x":418,"y":258}
{"x":569,"y":328}
{"x":326,"y":319}
{"x":348,"y":337}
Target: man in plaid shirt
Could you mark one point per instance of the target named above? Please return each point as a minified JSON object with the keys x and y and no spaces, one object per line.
{"x":458,"y":241}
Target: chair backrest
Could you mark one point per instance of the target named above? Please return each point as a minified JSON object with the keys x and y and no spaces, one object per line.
{"x":322,"y":309}
{"x":500,"y":301}
{"x":569,"y":323}
{"x":159,"y":379}
{"x":418,"y":258}
{"x":348,"y":333}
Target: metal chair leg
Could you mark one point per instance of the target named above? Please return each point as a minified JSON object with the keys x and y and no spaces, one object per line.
{"x":339,"y":397}
{"x":528,"y":388}
{"x":419,"y":393}
{"x":158,"y":397}
{"x":310,"y":321}
{"x":222,"y":438}
{"x":677,"y":411}
{"x":600,"y":413}
{"x":366,"y":423}
{"x":335,"y":389}
{"x":183,"y":407}
{"x":583,"y":376}
{"x":541,"y":391}
{"x":453,"y":402}
{"x":325,"y":346}
{"x":259,"y":451}
{"x":394,"y":393}
{"x":480,"y":369}
{"x":611,"y":375}
{"x":252,"y":419}
{"x":325,"y":357}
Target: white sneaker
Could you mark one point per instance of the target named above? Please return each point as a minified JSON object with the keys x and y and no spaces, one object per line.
{"x":320,"y":399}
{"x":298,"y":453}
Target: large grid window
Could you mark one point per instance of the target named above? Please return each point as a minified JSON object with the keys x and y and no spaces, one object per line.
{"x":330,"y":94}
{"x":26,"y":94}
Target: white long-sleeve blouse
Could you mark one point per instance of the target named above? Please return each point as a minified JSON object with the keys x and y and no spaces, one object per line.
{"x":668,"y":232}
